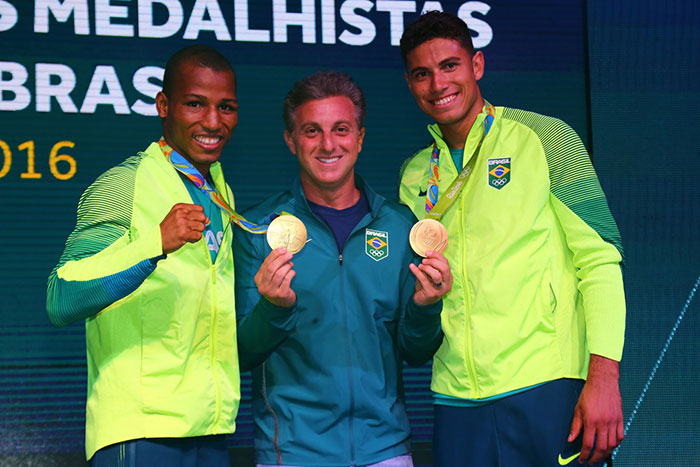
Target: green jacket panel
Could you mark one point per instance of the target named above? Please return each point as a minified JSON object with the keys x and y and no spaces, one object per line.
{"x":537,"y":288}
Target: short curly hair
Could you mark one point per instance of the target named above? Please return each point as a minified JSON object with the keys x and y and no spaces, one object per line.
{"x":435,"y":25}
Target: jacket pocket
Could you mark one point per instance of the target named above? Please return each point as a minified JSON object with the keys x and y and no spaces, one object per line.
{"x":553,"y":301}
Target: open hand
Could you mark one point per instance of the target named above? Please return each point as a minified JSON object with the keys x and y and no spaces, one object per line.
{"x":598,"y":412}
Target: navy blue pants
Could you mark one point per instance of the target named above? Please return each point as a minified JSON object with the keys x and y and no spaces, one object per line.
{"x":525,"y":429}
{"x":200,"y":451}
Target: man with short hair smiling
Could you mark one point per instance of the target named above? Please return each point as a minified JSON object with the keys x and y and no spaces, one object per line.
{"x":149,"y":267}
{"x":327,"y":333}
{"x":537,"y":306}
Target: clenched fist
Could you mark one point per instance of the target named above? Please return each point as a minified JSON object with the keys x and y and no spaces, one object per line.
{"x":184,"y":223}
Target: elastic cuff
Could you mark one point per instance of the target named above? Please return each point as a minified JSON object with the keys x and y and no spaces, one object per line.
{"x":432,"y":309}
{"x":282,"y":317}
{"x":155,"y":260}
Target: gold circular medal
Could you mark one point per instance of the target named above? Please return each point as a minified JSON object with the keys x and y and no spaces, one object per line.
{"x":428,"y":234}
{"x":287,"y":231}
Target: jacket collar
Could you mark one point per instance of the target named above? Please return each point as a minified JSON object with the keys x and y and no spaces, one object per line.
{"x":434,"y":129}
{"x":215,"y":171}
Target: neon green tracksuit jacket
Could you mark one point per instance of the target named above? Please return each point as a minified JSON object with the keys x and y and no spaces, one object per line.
{"x":160,"y":332}
{"x":535,"y":254}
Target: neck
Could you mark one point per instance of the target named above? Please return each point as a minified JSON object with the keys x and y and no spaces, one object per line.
{"x":455,"y":134}
{"x":203,"y":169}
{"x":341,"y":197}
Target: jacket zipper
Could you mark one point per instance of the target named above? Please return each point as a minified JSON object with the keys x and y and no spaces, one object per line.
{"x":468,"y":308}
{"x":212,"y":334}
{"x":214,"y":323}
{"x":351,"y":386}
{"x":214,"y":314}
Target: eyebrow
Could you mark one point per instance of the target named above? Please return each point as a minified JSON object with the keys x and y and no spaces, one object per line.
{"x":200,"y":96}
{"x":440,"y":63}
{"x":450,"y":59}
{"x":315,"y":123}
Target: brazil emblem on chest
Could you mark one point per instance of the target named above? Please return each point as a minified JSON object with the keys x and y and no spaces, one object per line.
{"x":499,"y":172}
{"x":376,"y":244}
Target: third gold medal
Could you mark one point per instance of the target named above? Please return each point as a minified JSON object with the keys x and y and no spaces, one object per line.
{"x":429,"y":234}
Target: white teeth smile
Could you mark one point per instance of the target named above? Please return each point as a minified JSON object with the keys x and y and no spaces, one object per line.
{"x":328,"y":160}
{"x":207,"y":139}
{"x":445,"y":100}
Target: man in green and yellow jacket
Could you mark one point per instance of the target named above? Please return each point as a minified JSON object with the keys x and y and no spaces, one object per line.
{"x":537,"y":306}
{"x":149,"y":268}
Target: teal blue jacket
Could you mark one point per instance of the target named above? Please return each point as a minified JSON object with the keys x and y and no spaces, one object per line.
{"x":328,"y":370}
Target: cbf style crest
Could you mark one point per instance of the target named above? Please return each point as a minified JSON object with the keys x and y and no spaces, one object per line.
{"x":499,"y":172}
{"x":376,"y":244}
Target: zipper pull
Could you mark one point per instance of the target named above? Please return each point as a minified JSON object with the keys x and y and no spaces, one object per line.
{"x":340,"y":259}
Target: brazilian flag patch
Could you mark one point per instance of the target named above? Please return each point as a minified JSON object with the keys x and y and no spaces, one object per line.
{"x":376,"y":244}
{"x":499,"y":172}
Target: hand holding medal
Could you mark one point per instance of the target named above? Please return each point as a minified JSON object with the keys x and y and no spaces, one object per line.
{"x":434,"y":278}
{"x":286,"y":235}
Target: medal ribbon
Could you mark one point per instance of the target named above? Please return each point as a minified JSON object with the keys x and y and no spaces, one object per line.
{"x":184,"y":166}
{"x":434,"y":209}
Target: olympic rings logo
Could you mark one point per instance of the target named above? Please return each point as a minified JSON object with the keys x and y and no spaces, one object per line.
{"x":499,"y":182}
{"x":376,"y":252}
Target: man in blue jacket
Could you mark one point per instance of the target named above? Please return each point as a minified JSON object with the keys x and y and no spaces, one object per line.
{"x":326,"y":334}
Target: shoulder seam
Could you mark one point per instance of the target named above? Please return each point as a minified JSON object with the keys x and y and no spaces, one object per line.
{"x":572,"y":178}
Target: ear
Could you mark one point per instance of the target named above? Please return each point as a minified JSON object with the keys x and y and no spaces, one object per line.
{"x":478,"y":65}
{"x":360,"y":139}
{"x":290,"y":142}
{"x":162,"y":104}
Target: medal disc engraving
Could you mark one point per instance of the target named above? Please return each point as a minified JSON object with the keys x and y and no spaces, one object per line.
{"x":287,"y":231}
{"x":428,"y":234}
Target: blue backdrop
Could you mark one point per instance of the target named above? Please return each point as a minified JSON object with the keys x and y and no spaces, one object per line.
{"x":77,"y":80}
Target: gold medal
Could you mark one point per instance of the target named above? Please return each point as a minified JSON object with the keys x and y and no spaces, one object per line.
{"x":428,"y":234}
{"x":287,"y":231}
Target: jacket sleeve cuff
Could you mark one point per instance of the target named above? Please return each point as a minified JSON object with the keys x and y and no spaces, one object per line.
{"x":280,"y":317}
{"x":604,"y":304}
{"x":426,"y":312}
